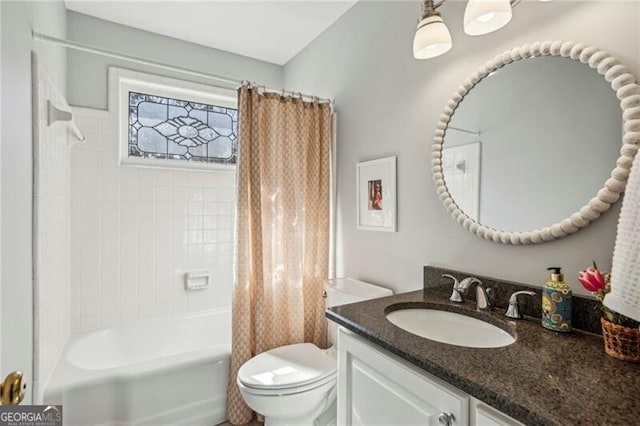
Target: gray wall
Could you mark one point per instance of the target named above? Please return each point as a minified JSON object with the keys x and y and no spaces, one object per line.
{"x":388,"y":104}
{"x":87,"y":77}
{"x":18,"y":20}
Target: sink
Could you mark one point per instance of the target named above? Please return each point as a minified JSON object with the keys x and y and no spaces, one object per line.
{"x":450,"y":327}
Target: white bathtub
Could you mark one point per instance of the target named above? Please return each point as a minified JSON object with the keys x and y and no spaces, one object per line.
{"x":161,"y":372}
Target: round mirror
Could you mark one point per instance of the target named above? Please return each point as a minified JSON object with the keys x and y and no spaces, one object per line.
{"x":524,"y":152}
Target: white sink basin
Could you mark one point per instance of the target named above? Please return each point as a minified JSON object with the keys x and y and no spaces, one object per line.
{"x":450,"y":327}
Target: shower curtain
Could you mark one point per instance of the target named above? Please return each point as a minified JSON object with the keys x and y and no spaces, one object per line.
{"x":282,"y":228}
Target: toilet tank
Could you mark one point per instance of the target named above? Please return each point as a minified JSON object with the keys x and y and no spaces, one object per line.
{"x":341,"y":291}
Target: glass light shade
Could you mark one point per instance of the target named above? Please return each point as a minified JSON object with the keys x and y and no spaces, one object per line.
{"x":485,"y":16}
{"x":432,"y":38}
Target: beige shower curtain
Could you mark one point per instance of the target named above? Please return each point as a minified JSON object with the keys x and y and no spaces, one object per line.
{"x":282,"y":228}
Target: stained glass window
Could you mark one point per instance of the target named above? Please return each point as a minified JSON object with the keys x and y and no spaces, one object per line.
{"x":173,"y":129}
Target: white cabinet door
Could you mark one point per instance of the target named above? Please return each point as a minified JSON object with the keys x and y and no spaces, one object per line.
{"x":377,"y":388}
{"x":483,"y":415}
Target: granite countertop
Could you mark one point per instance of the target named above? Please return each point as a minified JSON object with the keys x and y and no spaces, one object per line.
{"x":544,"y":378}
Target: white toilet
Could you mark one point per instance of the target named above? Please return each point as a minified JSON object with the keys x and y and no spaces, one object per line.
{"x":295,"y":385}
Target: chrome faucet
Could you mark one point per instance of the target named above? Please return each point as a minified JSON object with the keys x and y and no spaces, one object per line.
{"x":514,"y":310}
{"x":483,"y":303}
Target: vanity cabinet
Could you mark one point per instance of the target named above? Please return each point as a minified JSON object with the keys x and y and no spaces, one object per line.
{"x":484,"y":415}
{"x":377,"y":388}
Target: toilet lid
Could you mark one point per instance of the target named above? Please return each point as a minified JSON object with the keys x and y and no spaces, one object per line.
{"x":286,"y":367}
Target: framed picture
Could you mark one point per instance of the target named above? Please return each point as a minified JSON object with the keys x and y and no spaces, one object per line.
{"x":376,"y":180}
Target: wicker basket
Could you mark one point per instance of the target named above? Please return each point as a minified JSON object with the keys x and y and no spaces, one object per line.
{"x":621,"y":342}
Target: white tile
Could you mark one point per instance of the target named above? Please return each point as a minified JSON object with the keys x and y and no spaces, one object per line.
{"x":164,"y":210}
{"x":180,"y":178}
{"x":179,"y":239}
{"x":211,"y":180}
{"x":129,"y":209}
{"x":196,"y":257}
{"x":129,"y":192}
{"x":109,"y":128}
{"x":91,"y":158}
{"x":108,"y":143}
{"x":110,"y":209}
{"x":195,"y":222}
{"x":164,"y":274}
{"x":195,"y":195}
{"x":210,"y":194}
{"x":210,"y":209}
{"x":147,"y":209}
{"x":89,"y":296}
{"x":148,"y":177}
{"x":134,"y":231}
{"x":227,"y":180}
{"x":196,"y":179}
{"x":163,"y":178}
{"x":180,"y":209}
{"x":210,"y":236}
{"x":163,"y":193}
{"x":180,"y":193}
{"x":196,"y":208}
{"x":109,"y":191}
{"x":195,"y":236}
{"x":210,"y":222}
{"x":111,"y":175}
{"x":89,"y":125}
{"x":89,"y":322}
{"x":163,"y":302}
{"x":109,"y":319}
{"x":225,"y":194}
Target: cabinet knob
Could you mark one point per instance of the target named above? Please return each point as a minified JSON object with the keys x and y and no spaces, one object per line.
{"x":12,"y":389}
{"x":445,"y":419}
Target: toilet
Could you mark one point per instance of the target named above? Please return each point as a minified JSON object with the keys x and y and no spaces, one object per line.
{"x":296,"y":384}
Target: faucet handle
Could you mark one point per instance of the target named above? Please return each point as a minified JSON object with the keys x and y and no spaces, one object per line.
{"x":456,"y":295}
{"x":483,"y":297}
{"x":513,"y":311}
{"x":465,"y":283}
{"x":455,"y":280}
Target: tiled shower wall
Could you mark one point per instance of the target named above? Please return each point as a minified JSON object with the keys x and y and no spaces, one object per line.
{"x":51,"y":193}
{"x":136,"y":231}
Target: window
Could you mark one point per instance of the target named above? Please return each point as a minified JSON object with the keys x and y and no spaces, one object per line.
{"x":172,"y":123}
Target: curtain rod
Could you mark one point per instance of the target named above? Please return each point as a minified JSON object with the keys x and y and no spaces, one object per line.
{"x":111,"y":54}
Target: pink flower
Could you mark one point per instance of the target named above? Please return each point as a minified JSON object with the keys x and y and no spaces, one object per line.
{"x":592,"y":279}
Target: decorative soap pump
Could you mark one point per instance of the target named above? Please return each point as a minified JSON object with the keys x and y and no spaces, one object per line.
{"x":556,"y":302}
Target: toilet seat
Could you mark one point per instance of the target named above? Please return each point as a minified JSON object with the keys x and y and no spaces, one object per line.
{"x":288,"y":369}
{"x":289,"y":391}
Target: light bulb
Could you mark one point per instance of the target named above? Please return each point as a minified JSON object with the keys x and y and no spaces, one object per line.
{"x":432,"y":38}
{"x":485,"y":16}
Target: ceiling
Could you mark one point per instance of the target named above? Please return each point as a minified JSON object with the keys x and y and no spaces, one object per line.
{"x":269,"y":30}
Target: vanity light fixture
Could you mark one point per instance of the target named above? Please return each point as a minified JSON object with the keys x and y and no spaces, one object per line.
{"x":480,"y":17}
{"x":432,"y":35}
{"x":486,"y":16}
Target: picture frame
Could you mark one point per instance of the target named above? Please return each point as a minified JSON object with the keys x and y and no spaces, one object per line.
{"x":376,"y":194}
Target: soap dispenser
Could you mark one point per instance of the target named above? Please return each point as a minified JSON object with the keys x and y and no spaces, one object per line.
{"x":556,"y":302}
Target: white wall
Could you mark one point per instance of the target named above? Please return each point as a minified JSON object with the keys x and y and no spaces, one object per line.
{"x":388,"y":103}
{"x":88,"y":73}
{"x":18,"y":20}
{"x":135,"y":232}
{"x":51,"y":207}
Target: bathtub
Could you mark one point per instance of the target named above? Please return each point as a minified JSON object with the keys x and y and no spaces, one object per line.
{"x":170,"y":371}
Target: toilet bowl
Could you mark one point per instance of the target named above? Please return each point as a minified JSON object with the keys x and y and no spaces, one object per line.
{"x":296,"y":384}
{"x":289,"y":385}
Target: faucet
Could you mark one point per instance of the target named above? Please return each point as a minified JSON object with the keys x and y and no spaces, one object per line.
{"x":483,"y":303}
{"x":514,"y":310}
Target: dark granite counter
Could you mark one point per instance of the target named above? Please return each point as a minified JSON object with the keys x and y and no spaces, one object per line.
{"x":544,"y":378}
